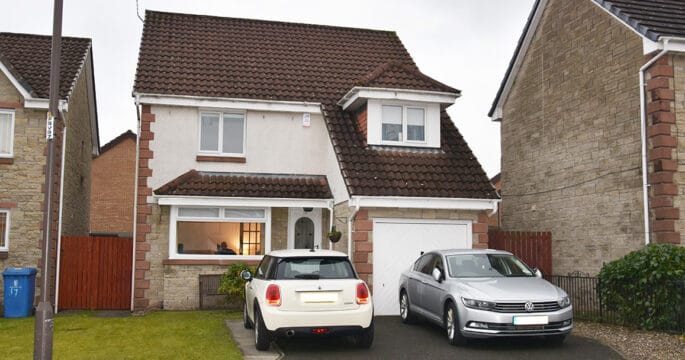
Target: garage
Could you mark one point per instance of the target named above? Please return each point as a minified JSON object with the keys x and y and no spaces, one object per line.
{"x":398,"y":242}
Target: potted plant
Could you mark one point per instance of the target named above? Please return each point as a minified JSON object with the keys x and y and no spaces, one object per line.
{"x":334,"y":235}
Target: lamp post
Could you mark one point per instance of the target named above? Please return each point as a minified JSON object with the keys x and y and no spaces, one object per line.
{"x":42,"y":344}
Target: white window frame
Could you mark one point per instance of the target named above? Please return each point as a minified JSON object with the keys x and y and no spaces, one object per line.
{"x":405,"y":140}
{"x":174,"y":218}
{"x":11,"y":134}
{"x":5,"y":247}
{"x":221,"y":113}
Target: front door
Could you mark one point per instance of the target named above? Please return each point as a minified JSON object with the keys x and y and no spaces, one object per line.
{"x":304,"y":233}
{"x":304,"y":228}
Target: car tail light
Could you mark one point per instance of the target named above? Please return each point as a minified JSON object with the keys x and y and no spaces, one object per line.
{"x":273,"y":295}
{"x":362,"y":294}
{"x":319,"y":331}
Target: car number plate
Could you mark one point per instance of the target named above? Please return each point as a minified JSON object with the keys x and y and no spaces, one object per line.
{"x":531,"y":320}
{"x":318,"y":297}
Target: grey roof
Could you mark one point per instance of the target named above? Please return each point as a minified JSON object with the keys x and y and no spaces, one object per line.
{"x":651,"y":18}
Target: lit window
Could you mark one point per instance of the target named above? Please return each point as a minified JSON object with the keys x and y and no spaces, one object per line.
{"x":4,"y":229}
{"x":222,"y":133}
{"x":403,"y":124}
{"x":6,"y":133}
{"x":220,"y":231}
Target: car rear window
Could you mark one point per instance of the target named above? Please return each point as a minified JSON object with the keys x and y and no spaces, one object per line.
{"x":314,"y":268}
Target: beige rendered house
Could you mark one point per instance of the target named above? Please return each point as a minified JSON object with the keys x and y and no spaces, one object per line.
{"x":591,"y":111}
{"x":259,"y":135}
{"x":24,"y":83}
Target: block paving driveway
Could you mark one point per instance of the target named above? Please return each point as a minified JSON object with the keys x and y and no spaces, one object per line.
{"x":394,"y":340}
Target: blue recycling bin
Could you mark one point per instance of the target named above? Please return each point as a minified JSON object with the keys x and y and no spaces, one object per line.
{"x":20,"y":287}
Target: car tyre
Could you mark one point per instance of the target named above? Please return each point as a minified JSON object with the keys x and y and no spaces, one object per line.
{"x":405,"y":309}
{"x":246,"y":319}
{"x":261,"y":334}
{"x":365,"y":338}
{"x":451,"y":319}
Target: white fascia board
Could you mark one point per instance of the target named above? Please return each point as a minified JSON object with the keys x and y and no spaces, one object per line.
{"x":358,"y":92}
{"x":242,"y":202}
{"x":675,"y":44}
{"x":424,"y":203}
{"x":29,"y":101}
{"x":229,"y":103}
{"x":528,"y":38}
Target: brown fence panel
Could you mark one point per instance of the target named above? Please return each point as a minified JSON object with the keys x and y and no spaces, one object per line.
{"x":95,"y":273}
{"x":535,"y":248}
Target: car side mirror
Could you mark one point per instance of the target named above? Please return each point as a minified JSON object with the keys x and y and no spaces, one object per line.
{"x":246,"y":275}
{"x":538,"y":273}
{"x":437,"y":274}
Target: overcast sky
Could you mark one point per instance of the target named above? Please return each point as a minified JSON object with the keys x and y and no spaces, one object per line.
{"x":466,"y":44}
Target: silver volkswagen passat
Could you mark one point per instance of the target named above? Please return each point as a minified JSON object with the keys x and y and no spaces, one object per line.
{"x":483,"y":293}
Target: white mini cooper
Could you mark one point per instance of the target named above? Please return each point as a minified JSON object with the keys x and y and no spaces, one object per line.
{"x":307,"y":293}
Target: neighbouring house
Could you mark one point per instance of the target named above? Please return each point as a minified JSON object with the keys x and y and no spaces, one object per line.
{"x":24,"y":89}
{"x":261,"y":135}
{"x":590,"y":109}
{"x":113,"y":186}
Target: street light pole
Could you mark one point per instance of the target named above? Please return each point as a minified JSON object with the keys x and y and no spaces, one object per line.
{"x":42,"y":344}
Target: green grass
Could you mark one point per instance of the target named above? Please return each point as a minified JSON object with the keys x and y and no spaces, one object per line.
{"x":156,"y":335}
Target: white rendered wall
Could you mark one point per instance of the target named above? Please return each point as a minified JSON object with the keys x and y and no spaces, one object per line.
{"x":276,"y":142}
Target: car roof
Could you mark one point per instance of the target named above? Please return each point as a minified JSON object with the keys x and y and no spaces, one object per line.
{"x":306,"y":253}
{"x":446,"y":252}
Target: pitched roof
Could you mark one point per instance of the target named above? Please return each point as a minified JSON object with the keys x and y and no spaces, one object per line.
{"x":651,"y":18}
{"x":27,"y":57}
{"x":209,"y":56}
{"x":117,"y":140}
{"x":226,"y":184}
{"x":395,"y":75}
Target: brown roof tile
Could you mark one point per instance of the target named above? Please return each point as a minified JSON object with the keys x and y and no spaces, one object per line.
{"x":239,"y":58}
{"x":126,"y":135}
{"x":224,"y":184}
{"x":27,"y":57}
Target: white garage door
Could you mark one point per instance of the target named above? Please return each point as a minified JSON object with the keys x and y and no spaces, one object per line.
{"x":398,"y":242}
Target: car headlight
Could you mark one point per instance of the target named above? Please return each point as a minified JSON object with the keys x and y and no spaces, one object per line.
{"x":564,"y":302}
{"x":478,"y":304}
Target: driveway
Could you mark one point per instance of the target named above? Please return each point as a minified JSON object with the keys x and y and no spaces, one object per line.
{"x":394,"y":340}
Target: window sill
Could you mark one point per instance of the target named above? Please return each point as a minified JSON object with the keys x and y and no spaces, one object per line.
{"x":4,"y":254}
{"x":230,"y":159}
{"x":7,"y":161}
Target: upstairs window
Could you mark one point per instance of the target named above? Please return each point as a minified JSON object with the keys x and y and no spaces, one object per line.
{"x":403,"y":124}
{"x":222,"y":133}
{"x":6,"y":133}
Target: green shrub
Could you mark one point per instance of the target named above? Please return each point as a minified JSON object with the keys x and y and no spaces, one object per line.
{"x":646,"y":287}
{"x":232,"y":284}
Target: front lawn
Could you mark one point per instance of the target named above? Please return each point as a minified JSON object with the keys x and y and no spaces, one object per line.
{"x":156,"y":335}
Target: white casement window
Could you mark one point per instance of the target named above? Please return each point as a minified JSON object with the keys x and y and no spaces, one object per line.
{"x":6,"y":133}
{"x":403,"y":124}
{"x":208,"y":232}
{"x":222,"y":133}
{"x":4,"y":229}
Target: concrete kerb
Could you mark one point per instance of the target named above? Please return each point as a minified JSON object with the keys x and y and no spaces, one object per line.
{"x":244,"y":338}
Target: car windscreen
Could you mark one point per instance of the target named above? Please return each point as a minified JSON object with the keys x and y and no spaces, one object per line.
{"x":487,"y":265}
{"x":313,"y":268}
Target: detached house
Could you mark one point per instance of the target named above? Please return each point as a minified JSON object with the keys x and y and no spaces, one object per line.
{"x":24,"y":88}
{"x":592,"y":109}
{"x":259,"y":135}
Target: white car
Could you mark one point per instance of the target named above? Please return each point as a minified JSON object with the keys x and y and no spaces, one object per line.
{"x":307,"y":293}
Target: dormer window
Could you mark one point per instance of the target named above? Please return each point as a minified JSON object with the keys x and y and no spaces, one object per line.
{"x":403,"y":124}
{"x":398,"y":117}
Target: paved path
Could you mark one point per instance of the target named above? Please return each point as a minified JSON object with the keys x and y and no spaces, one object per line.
{"x":394,"y":340}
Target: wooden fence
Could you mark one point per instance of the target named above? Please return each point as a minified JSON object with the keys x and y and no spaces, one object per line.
{"x":535,"y":248}
{"x":95,"y":273}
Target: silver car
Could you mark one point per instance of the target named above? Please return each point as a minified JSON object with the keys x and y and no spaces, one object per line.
{"x":483,"y":293}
